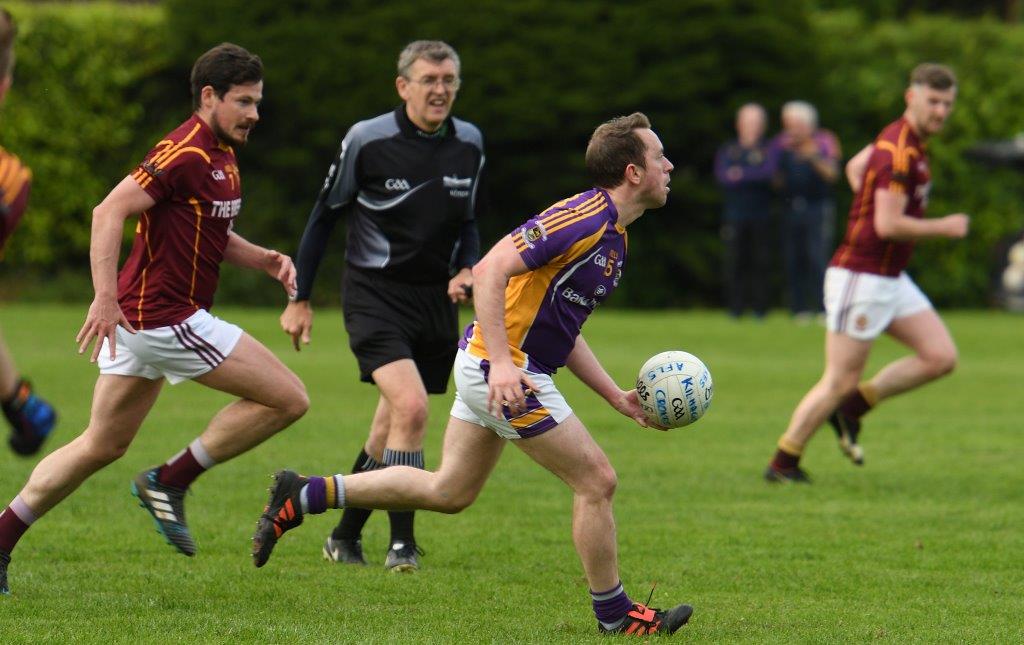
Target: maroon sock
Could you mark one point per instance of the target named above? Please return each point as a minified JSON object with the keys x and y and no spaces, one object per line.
{"x":855,"y":405}
{"x":181,"y":470}
{"x":785,"y":461}
{"x":12,"y":528}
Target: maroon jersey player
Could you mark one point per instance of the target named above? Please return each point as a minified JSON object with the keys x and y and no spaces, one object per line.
{"x":867,"y":291}
{"x":153,"y":323}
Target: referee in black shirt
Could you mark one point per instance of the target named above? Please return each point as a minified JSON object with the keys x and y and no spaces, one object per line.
{"x":408,"y":181}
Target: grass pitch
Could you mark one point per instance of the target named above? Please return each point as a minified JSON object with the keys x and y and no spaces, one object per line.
{"x":925,"y":543}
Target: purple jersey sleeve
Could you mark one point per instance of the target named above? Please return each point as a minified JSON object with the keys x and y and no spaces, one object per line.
{"x":543,"y":239}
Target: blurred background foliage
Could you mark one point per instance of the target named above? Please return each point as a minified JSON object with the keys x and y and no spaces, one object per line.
{"x":98,"y":83}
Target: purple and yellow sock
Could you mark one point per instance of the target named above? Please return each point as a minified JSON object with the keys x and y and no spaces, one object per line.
{"x":322,"y":493}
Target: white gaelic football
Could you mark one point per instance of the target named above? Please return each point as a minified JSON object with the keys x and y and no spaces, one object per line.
{"x":674,"y":389}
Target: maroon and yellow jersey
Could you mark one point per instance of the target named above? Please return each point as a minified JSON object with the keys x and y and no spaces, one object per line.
{"x":898,"y":163}
{"x":15,"y":183}
{"x":174,"y":264}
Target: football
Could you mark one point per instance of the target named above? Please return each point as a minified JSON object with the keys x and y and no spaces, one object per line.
{"x":674,"y":389}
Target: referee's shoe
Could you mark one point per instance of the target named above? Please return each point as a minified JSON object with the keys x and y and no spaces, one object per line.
{"x":403,"y":557}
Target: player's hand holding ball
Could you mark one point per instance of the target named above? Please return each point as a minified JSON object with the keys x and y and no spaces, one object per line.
{"x":674,"y":389}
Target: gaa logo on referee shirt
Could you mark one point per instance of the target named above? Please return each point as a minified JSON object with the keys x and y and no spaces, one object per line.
{"x":397,"y":184}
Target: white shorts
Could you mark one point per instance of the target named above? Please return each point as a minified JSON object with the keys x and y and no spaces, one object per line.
{"x":545,"y":409}
{"x":176,"y":352}
{"x":861,"y":305}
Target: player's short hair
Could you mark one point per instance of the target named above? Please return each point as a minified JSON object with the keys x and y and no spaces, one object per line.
{"x":801,"y":110}
{"x":435,"y":51}
{"x":613,"y":146}
{"x":933,"y":75}
{"x":8,"y":30}
{"x":225,"y":65}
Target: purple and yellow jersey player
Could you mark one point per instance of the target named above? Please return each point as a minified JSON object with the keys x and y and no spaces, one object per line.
{"x":532,"y":293}
{"x":575,"y":251}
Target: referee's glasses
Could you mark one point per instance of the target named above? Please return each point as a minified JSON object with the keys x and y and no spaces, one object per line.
{"x":450,"y":83}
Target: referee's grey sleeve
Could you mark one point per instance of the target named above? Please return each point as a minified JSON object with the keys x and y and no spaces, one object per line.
{"x":469,"y":235}
{"x":338,"y":190}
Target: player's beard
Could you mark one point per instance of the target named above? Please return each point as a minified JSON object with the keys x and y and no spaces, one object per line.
{"x":224,"y":136}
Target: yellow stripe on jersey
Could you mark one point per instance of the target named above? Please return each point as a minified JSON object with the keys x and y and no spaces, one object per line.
{"x":867,"y":197}
{"x":563,"y":219}
{"x":195,"y":249}
{"x":13,"y":177}
{"x":149,"y":254}
{"x":582,"y":216}
{"x":901,"y":153}
{"x":524,"y":298}
{"x":199,"y":151}
{"x":554,"y":218}
{"x":149,"y":178}
{"x":160,"y":159}
{"x":157,"y":158}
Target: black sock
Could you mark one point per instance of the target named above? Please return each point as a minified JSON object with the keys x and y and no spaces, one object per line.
{"x":354,"y":519}
{"x":401,"y":526}
{"x":402,"y":521}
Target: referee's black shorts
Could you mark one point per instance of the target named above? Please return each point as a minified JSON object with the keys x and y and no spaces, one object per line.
{"x":387,"y":321}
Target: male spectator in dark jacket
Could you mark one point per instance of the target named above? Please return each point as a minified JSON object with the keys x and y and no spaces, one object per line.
{"x":744,"y":168}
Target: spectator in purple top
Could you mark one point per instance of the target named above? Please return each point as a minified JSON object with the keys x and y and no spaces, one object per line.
{"x":745,"y":168}
{"x":807,"y":168}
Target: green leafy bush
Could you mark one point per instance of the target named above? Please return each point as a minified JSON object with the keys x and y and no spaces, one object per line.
{"x":77,"y":115}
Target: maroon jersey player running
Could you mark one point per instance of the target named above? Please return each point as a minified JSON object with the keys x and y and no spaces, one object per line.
{"x":867,"y":291}
{"x":152,"y":322}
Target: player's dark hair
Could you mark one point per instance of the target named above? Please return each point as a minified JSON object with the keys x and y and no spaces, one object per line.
{"x":933,"y":75}
{"x":225,"y":65}
{"x":8,"y":31}
{"x":613,"y":146}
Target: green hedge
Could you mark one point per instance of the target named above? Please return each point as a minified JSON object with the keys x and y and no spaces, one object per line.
{"x":96,"y":84}
{"x":538,"y":77}
{"x":77,"y":116}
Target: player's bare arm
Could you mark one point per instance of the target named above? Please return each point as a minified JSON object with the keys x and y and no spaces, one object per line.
{"x":277,"y":265}
{"x":125,"y":200}
{"x":461,"y":285}
{"x":584,"y":364}
{"x":891,"y":222}
{"x":856,"y":167}
{"x":490,"y":278}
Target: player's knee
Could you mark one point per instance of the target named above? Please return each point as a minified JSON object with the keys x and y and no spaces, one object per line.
{"x":942,"y":363}
{"x":101,"y":453}
{"x":601,"y":482}
{"x":456,"y":502}
{"x":841,"y":385}
{"x":409,"y":414}
{"x":297,"y":404}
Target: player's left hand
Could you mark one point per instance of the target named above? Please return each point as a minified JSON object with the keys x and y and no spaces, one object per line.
{"x":280,"y":267}
{"x":628,"y":403}
{"x":460,"y":288}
